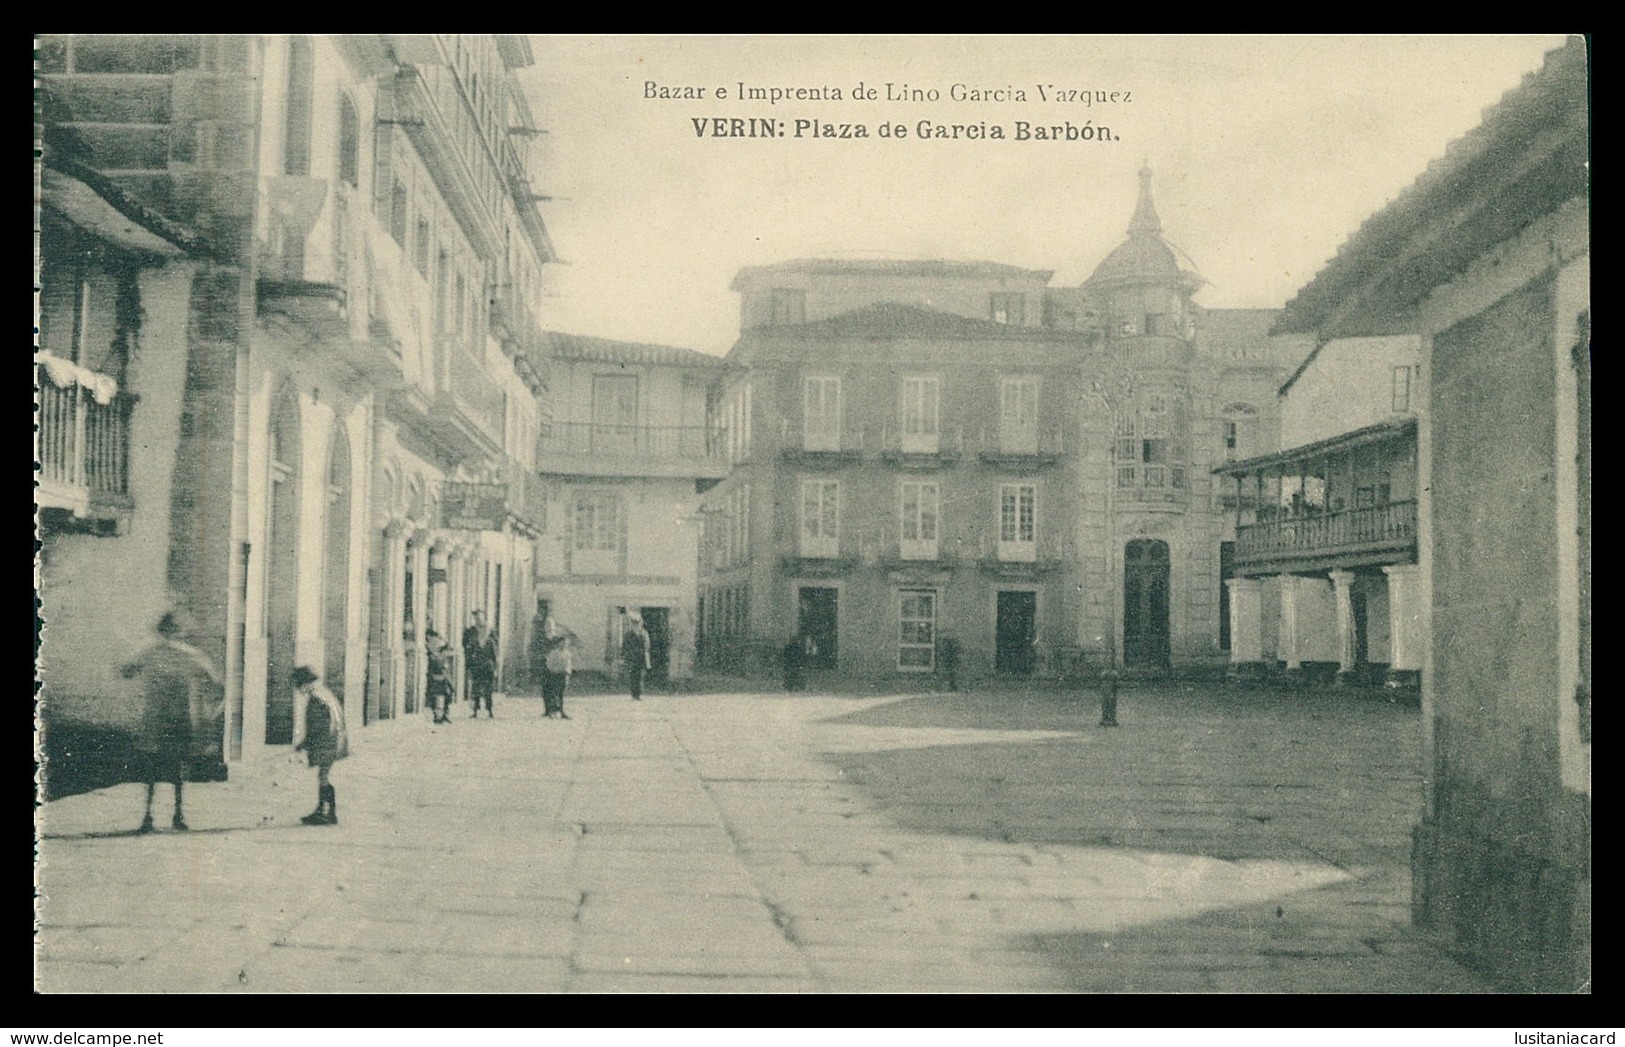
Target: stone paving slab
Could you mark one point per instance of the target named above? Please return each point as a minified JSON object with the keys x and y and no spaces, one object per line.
{"x":770,"y":843}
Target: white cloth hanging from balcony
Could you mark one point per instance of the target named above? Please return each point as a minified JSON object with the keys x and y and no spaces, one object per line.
{"x":64,"y":373}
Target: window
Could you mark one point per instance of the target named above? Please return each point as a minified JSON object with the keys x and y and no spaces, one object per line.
{"x":1239,"y":420}
{"x":1150,"y":447}
{"x":820,"y":518}
{"x":787,"y":306}
{"x":596,"y":529}
{"x":821,"y":413}
{"x":918,"y":531}
{"x":1402,"y":388}
{"x":397,"y":212}
{"x":420,"y":248}
{"x":296,"y":129}
{"x":349,"y":142}
{"x":916,"y":630}
{"x":1018,"y":522}
{"x":1018,"y":416}
{"x":1007,"y":308}
{"x":920,"y":400}
{"x":1232,"y":440}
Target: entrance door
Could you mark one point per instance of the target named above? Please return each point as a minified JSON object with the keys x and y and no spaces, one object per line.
{"x":1357,"y":621}
{"x":817,"y":619}
{"x":281,"y":568}
{"x":1145,"y":603}
{"x":1015,"y":630}
{"x":657,"y":623}
{"x":614,"y":414}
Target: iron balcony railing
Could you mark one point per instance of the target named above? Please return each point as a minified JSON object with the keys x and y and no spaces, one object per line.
{"x":1370,"y":528}
{"x":83,"y":444}
{"x":649,"y":442}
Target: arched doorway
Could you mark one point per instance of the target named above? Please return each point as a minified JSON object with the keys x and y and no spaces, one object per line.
{"x":336,"y":564}
{"x":1145,"y":603}
{"x":281,"y":570}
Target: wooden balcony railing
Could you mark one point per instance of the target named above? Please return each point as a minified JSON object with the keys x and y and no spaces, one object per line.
{"x":661,"y":442}
{"x":84,"y":446}
{"x":1376,"y":528}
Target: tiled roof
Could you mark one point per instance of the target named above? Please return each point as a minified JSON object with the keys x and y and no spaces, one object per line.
{"x":936,"y":269}
{"x":561,"y":346}
{"x":1531,"y":153}
{"x":897,"y":319}
{"x":1342,"y":442}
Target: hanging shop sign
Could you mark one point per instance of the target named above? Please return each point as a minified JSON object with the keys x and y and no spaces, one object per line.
{"x":473,"y":507}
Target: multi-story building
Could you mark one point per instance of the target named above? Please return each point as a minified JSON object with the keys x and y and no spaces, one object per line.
{"x":930,"y":448}
{"x":1486,"y":260}
{"x":623,"y":459}
{"x":315,"y":350}
{"x":1325,"y":559}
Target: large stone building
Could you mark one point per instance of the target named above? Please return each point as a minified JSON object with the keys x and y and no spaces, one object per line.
{"x":934,"y":448}
{"x":286,"y":282}
{"x":1486,"y":259}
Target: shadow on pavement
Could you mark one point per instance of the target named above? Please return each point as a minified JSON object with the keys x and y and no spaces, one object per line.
{"x":1193,"y":771}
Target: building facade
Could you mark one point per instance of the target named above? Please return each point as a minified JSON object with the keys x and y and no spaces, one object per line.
{"x":623,"y":459}
{"x":330,"y":352}
{"x":1325,"y":561}
{"x":1486,"y":258}
{"x":931,"y":449}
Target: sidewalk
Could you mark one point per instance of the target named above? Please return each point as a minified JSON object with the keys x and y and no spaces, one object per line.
{"x":776,"y":843}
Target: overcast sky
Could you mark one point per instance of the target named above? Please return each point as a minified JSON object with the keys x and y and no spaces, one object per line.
{"x":1267,"y":153}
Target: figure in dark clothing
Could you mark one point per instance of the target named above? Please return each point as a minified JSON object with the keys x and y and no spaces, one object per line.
{"x":948,"y":661}
{"x":560,"y":663}
{"x":1109,"y":679}
{"x":324,"y":741}
{"x":794,"y":659}
{"x":635,"y":653}
{"x":179,"y":689}
{"x":439,"y":691}
{"x":480,"y":660}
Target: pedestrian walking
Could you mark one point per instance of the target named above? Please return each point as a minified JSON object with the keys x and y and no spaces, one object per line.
{"x":323,"y":740}
{"x":948,"y":659}
{"x":635,"y":653}
{"x":480,"y":660}
{"x":559,"y":662}
{"x":180,"y":692}
{"x":1109,"y":679}
{"x":793,"y":659}
{"x":440,"y":691}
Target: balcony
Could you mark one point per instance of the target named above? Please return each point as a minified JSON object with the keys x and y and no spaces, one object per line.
{"x":469,"y":412}
{"x":1313,"y":540}
{"x":591,"y":449}
{"x":1014,"y":561}
{"x":84,"y":452}
{"x":1021,"y":449}
{"x":922,"y":450}
{"x":821,"y":447}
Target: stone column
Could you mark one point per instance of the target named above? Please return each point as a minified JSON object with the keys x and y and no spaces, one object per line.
{"x":393,"y":652}
{"x":416,"y":665}
{"x":1246,"y":628}
{"x":1407,"y":625}
{"x":1289,"y":653}
{"x":456,"y":613}
{"x":1343,"y":593}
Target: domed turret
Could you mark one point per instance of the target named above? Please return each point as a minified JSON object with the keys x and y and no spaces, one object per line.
{"x":1145,"y":258}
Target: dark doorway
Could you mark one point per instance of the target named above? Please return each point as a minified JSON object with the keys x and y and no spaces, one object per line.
{"x":1227,"y":574}
{"x":1357,"y":620}
{"x":1015,"y":629}
{"x":336,"y":570}
{"x":281,"y":569}
{"x":657,"y":623}
{"x":817,"y":619}
{"x":1145,"y":603}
